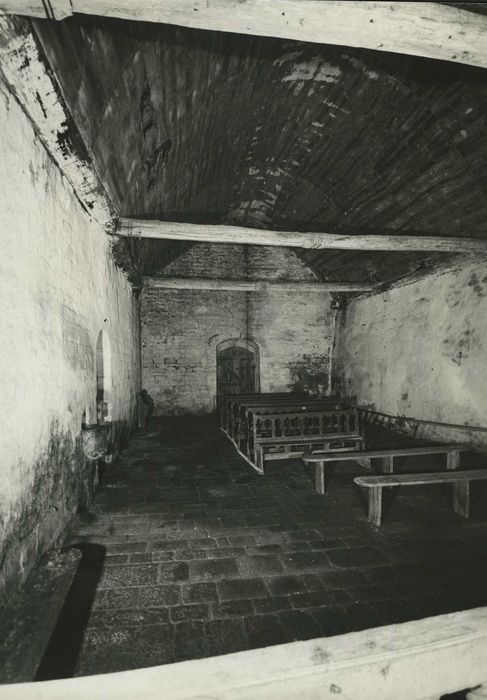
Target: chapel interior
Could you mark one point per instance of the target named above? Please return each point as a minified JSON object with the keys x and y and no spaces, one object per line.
{"x":243,"y":298}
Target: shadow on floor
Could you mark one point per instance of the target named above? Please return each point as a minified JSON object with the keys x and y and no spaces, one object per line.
{"x":62,"y":652}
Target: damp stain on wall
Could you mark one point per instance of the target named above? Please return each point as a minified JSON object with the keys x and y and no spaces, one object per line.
{"x":309,"y":374}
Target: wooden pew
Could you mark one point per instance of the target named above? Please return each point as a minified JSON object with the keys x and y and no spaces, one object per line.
{"x":290,"y":435}
{"x":460,"y":480}
{"x":238,"y":414}
{"x":243,"y":416}
{"x":234,"y":398}
{"x":319,"y":459}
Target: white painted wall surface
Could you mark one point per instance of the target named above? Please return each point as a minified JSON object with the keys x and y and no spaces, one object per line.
{"x":420,"y":349}
{"x":58,"y":288}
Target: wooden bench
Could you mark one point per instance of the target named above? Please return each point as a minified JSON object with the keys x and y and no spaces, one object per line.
{"x":239,"y":414}
{"x":460,"y":480}
{"x":387,"y":456}
{"x":232,"y":399}
{"x":300,"y":445}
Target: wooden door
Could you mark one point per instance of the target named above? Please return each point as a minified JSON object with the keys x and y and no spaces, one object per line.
{"x":236,"y":367}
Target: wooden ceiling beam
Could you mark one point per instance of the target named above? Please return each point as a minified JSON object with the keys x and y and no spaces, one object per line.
{"x":206,"y":233}
{"x":426,"y":29}
{"x":253,"y":285}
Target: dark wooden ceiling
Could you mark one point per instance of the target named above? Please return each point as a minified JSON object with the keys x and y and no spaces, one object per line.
{"x":207,"y":127}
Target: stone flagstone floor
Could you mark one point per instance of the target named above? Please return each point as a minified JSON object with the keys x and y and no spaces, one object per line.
{"x":201,"y":556}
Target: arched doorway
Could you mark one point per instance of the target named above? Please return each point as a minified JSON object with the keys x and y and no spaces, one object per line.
{"x":237,"y":368}
{"x":103,"y":378}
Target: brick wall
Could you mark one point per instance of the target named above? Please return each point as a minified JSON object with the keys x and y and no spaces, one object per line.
{"x":59,"y":288}
{"x":181,"y":329}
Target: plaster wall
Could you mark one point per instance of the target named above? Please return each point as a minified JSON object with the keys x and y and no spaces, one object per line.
{"x":59,"y":288}
{"x":181,"y":329}
{"x":420,"y":350}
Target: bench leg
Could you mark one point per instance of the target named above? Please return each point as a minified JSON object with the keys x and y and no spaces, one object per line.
{"x":320,"y":477}
{"x":461,"y":498}
{"x":388,"y":464}
{"x":375,"y":505}
{"x":452,"y":460}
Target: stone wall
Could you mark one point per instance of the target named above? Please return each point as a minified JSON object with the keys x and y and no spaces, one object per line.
{"x":420,"y":350}
{"x":181,"y":329}
{"x":59,"y":288}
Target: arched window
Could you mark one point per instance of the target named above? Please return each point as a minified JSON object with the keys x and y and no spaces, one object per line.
{"x":103,"y":376}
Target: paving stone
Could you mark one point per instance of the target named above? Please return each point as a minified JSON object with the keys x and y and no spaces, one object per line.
{"x":356,"y":557}
{"x":190,"y":640}
{"x":153,"y":645}
{"x":162,"y":556}
{"x":141,"y":558}
{"x":372,"y":592}
{"x":226,"y":553}
{"x":116,"y":559}
{"x":363,"y":616}
{"x":262,"y":565}
{"x":299,"y":625}
{"x":127,"y":618}
{"x":346,"y":578}
{"x":232,"y":608}
{"x":265,"y":631}
{"x":264,"y":549}
{"x":305,"y":561}
{"x":270,"y":605}
{"x":226,"y":636}
{"x":323,"y":598}
{"x":242,"y":588}
{"x":189,"y":554}
{"x":179,"y":613}
{"x":169,"y":572}
{"x":199,"y":593}
{"x":212,"y":569}
{"x":285,"y":585}
{"x":313,"y":583}
{"x":116,"y":598}
{"x":332,"y":621}
{"x":127,"y":547}
{"x":123,"y":576}
{"x":158,"y":596}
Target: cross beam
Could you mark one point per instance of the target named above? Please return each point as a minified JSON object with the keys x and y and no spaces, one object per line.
{"x":206,"y":233}
{"x":427,"y":29}
{"x":254,"y":285}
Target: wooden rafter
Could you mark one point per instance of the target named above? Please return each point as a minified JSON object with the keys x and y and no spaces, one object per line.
{"x":427,"y":29}
{"x":254,"y":285}
{"x":200,"y":233}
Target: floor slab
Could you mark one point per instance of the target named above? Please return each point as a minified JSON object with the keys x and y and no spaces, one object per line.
{"x":203,"y":556}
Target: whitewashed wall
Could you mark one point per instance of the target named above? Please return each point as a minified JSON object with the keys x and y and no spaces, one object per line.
{"x":58,"y":288}
{"x":420,"y":349}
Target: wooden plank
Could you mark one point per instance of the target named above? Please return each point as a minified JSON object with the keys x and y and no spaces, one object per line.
{"x":396,"y":452}
{"x":418,"y":479}
{"x":162,"y":230}
{"x":387,"y":464}
{"x":416,"y":28}
{"x":375,"y":506}
{"x":320,"y":477}
{"x":422,"y":658}
{"x":461,"y":498}
{"x":254,"y":285}
{"x":453,"y":460}
{"x":27,"y":75}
